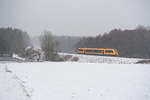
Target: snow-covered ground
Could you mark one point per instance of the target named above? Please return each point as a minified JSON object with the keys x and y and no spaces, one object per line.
{"x":11,"y":87}
{"x":103,"y":59}
{"x":78,"y":81}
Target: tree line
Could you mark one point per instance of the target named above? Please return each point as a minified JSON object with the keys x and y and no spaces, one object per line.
{"x":13,"y":40}
{"x":130,"y":43}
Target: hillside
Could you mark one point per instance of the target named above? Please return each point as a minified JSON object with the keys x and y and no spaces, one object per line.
{"x":102,"y":59}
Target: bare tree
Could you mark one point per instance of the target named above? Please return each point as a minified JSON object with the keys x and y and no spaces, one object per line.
{"x":48,"y":46}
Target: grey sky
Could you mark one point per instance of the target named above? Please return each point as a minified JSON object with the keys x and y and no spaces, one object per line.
{"x":74,"y":17}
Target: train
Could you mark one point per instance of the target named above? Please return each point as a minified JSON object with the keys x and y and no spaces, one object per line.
{"x":98,"y":51}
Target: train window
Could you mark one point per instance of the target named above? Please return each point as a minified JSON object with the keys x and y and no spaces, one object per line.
{"x":90,"y":50}
{"x":108,"y":51}
{"x":86,"y":50}
{"x":99,"y":51}
{"x":116,"y":50}
{"x":80,"y":49}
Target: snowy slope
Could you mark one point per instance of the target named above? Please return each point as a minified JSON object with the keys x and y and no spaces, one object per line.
{"x":11,"y":88}
{"x":103,"y":59}
{"x":84,"y":81}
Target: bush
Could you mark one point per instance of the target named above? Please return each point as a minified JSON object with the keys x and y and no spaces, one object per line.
{"x":59,"y":58}
{"x":143,"y":62}
{"x":75,"y":59}
{"x":67,"y":57}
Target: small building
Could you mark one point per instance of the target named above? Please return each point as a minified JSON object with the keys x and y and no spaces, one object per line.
{"x":5,"y":54}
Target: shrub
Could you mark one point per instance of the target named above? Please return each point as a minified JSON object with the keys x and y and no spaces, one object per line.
{"x":75,"y":59}
{"x":67,"y":57}
{"x":143,"y":62}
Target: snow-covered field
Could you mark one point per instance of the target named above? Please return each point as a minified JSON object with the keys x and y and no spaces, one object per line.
{"x":11,"y":87}
{"x":74,"y":81}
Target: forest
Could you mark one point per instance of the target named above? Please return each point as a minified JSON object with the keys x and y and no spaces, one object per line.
{"x":13,"y":40}
{"x":130,"y":43}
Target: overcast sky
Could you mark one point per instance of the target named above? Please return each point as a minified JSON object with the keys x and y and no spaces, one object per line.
{"x":74,"y":17}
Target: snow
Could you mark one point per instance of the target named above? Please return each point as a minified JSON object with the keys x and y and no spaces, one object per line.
{"x":103,"y":59}
{"x":18,"y":57}
{"x":11,"y":87}
{"x":79,"y":81}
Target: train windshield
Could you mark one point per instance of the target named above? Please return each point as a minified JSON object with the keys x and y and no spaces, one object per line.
{"x":116,"y":51}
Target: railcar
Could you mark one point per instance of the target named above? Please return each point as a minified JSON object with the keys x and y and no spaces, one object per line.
{"x":98,"y":51}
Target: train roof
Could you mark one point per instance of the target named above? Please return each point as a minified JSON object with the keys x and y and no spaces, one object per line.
{"x":98,"y":48}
